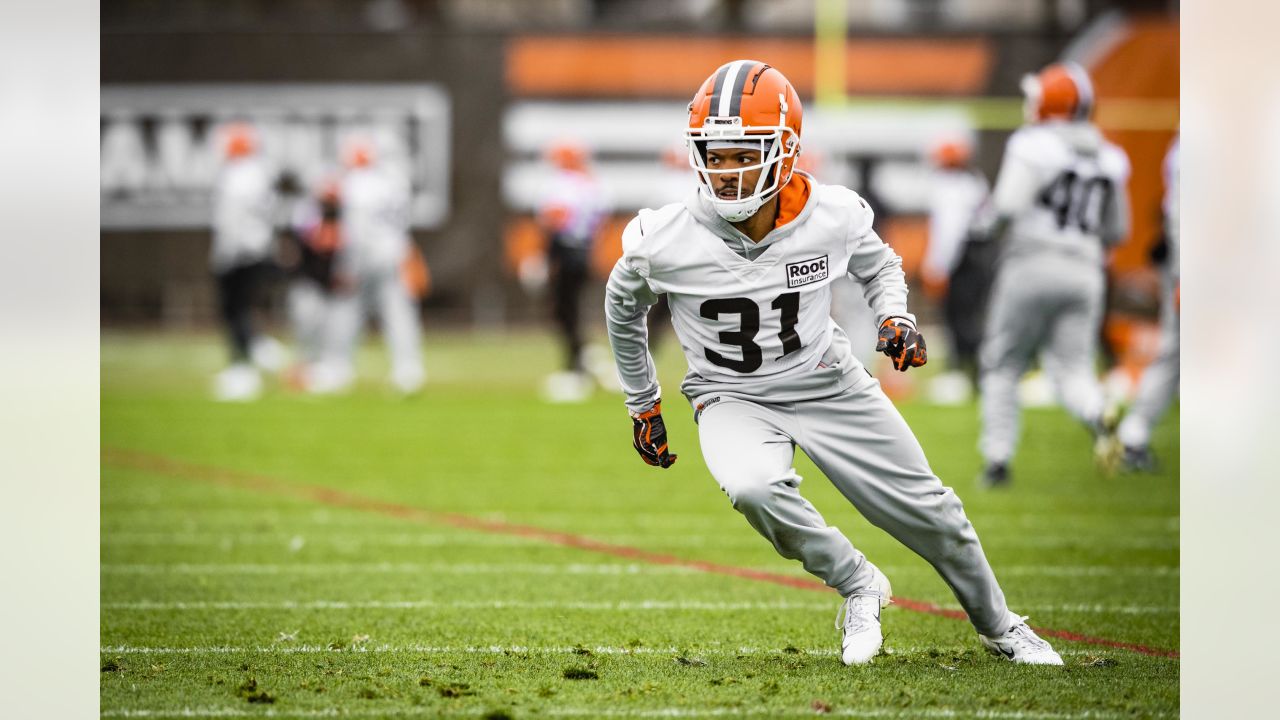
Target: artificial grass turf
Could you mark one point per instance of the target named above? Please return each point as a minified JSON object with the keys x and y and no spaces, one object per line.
{"x":334,"y":609}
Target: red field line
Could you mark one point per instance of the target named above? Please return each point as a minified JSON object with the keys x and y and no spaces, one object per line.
{"x":162,"y":465}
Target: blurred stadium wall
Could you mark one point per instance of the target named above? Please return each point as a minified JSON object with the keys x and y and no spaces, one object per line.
{"x":467,"y":94}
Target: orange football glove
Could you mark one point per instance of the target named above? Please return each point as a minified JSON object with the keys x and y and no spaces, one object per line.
{"x":904,"y":345}
{"x":650,"y":437}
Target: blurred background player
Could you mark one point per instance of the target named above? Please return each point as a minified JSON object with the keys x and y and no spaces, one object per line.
{"x":378,"y":273}
{"x":1160,"y":380}
{"x":244,"y":204}
{"x":957,"y":273}
{"x":1060,"y":202}
{"x":317,"y":237}
{"x":569,"y":214}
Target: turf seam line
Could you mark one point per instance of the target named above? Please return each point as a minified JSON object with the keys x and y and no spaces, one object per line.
{"x":149,"y":462}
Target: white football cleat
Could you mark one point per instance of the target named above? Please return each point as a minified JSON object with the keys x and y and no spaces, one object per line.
{"x":859,"y":619}
{"x":408,"y":379}
{"x":567,"y":386}
{"x":1021,"y":645}
{"x":268,"y":354}
{"x":238,"y":383}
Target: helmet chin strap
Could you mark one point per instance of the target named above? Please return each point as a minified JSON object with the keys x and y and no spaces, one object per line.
{"x":737,"y":211}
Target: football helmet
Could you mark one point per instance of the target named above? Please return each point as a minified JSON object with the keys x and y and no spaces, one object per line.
{"x":745,"y":103}
{"x":239,"y":140}
{"x":952,"y":154}
{"x":358,"y":151}
{"x":1061,"y":91}
{"x":568,"y":155}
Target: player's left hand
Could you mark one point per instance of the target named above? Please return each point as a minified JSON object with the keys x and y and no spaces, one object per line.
{"x":904,"y":345}
{"x":650,"y":437}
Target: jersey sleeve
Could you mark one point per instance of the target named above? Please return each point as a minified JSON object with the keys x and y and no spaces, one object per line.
{"x":628,"y":298}
{"x":1116,"y":216}
{"x":874,"y":264}
{"x":1018,"y":179}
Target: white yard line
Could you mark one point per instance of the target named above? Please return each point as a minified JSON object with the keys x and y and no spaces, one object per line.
{"x":667,"y":712}
{"x":623,"y":606}
{"x":576,"y":569}
{"x":287,"y":649}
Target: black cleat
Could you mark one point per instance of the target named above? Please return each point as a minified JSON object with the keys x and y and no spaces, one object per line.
{"x":1139,"y":459}
{"x":995,"y":475}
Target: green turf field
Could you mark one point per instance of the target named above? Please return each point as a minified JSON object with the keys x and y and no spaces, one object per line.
{"x":303,"y":557}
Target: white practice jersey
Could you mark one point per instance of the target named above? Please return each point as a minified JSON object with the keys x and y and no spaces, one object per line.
{"x":579,"y":196}
{"x":954,"y":199}
{"x":757,"y":327}
{"x":375,"y":220}
{"x":244,"y":204}
{"x":1064,"y":189}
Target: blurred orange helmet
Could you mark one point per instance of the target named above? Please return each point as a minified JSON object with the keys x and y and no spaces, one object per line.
{"x":568,"y":155}
{"x":952,"y":153}
{"x":746,"y":103}
{"x":239,"y":140}
{"x":1061,"y":91}
{"x":358,"y":152}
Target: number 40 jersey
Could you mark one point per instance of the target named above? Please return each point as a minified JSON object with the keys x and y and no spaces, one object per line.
{"x":753,"y":319}
{"x":1064,"y":188}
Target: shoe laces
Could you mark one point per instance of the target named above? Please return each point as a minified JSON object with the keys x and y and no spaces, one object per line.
{"x":857,"y":613}
{"x":1022,"y":636}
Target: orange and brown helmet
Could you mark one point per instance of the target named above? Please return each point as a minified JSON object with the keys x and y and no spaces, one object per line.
{"x":749,"y":104}
{"x":239,"y":139}
{"x":952,"y":153}
{"x":1061,"y":91}
{"x":568,"y":154}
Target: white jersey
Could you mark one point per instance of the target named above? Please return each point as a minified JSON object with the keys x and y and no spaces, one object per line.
{"x":243,"y":214}
{"x":761,"y":327}
{"x":581,"y":200}
{"x":954,"y":199}
{"x":1064,"y":189}
{"x":375,"y":220}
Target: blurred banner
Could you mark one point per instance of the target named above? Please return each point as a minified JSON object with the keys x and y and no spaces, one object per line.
{"x":160,"y":143}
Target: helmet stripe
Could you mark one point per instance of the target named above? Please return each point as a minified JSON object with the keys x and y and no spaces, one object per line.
{"x":734,"y":78}
{"x":739,"y":84}
{"x":716,"y":90}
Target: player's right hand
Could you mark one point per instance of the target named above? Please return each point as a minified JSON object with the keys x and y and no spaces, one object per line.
{"x":900,"y":340}
{"x":650,"y":437}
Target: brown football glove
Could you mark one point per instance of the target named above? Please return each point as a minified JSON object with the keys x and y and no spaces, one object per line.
{"x":904,"y":345}
{"x":650,"y":437}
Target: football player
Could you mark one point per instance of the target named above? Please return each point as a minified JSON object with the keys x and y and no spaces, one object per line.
{"x":1060,"y":202}
{"x":244,"y":206}
{"x":570,"y":213}
{"x":317,"y":236}
{"x":746,"y":263}
{"x":955,"y":271}
{"x":1160,"y":380}
{"x":371,"y":261}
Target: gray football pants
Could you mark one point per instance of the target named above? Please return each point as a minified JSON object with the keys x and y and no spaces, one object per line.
{"x":382,"y":294}
{"x":1042,"y":303}
{"x":864,"y":447}
{"x":308,"y":306}
{"x":1159,"y":381}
